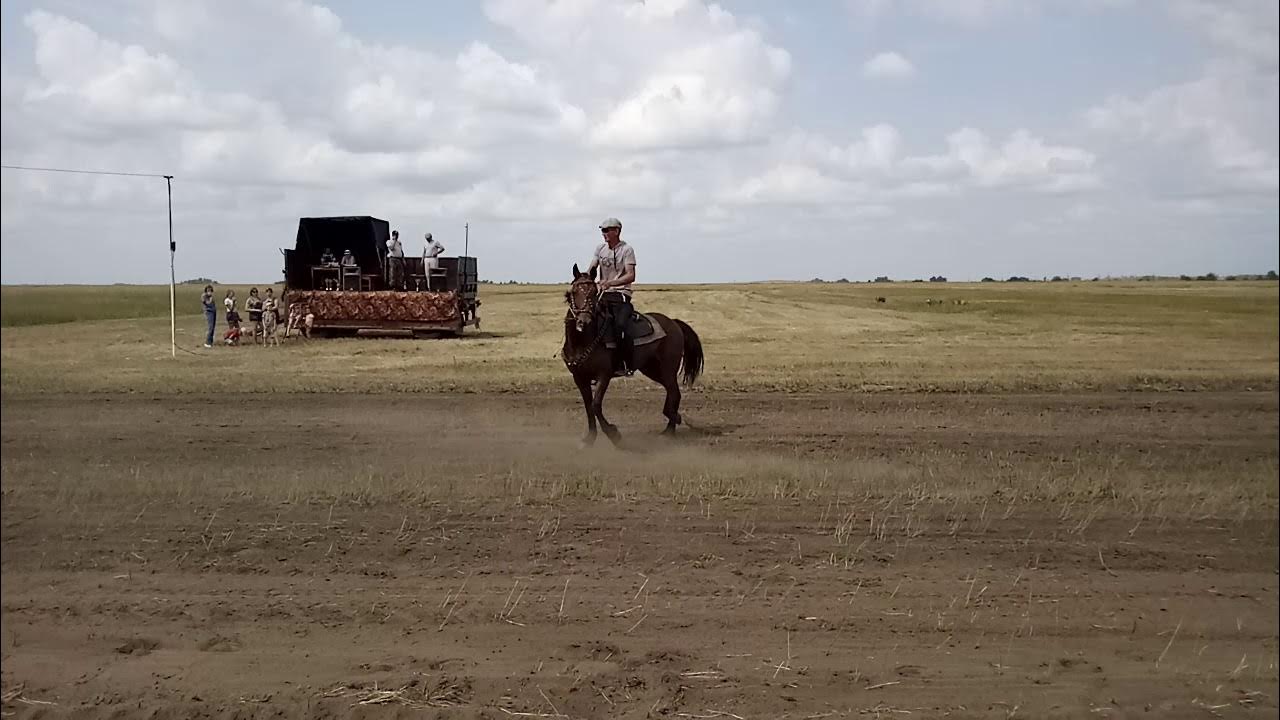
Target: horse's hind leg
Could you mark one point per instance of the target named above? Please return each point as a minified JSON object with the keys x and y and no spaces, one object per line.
{"x":597,"y":406}
{"x":671,"y":408}
{"x":664,"y":371}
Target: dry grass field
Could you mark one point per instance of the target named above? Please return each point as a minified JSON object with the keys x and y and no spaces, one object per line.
{"x":767,"y":337}
{"x":1046,"y":501}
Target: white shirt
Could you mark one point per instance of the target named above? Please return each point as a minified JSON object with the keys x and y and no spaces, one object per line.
{"x":394,"y":248}
{"x":431,"y":254}
{"x":612,"y":263}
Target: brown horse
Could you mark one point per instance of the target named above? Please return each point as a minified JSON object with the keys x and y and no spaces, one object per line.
{"x":591,"y":362}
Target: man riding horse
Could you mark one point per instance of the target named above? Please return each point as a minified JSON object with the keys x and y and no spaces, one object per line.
{"x":600,"y":307}
{"x":616,"y":263}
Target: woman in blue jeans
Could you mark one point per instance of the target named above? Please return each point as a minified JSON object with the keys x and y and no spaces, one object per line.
{"x":210,"y":313}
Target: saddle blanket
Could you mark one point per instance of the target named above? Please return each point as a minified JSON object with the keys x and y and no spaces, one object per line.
{"x":642,"y":329}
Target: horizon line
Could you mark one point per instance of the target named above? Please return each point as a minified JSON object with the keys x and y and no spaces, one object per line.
{"x":811,"y":281}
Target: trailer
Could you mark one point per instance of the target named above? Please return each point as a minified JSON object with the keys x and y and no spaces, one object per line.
{"x":345,"y":298}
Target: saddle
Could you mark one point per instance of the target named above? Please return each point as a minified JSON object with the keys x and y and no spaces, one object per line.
{"x":642,"y":330}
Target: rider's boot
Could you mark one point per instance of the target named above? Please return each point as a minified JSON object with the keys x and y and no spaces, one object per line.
{"x":623,"y":363}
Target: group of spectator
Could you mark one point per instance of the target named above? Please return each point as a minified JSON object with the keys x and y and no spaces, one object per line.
{"x":264,"y":316}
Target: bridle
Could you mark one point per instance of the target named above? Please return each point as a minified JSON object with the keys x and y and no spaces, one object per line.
{"x":572,"y":296}
{"x":575,"y":314}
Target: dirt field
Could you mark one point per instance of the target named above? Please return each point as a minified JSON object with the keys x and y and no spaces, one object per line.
{"x":1067,"y":555}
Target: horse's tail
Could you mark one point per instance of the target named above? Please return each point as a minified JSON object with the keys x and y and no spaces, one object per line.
{"x":693,"y":358}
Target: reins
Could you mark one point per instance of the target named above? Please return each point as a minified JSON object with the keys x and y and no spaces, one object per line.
{"x":581,"y":356}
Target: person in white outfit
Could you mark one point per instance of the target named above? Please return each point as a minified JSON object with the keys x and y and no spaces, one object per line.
{"x":431,"y":252}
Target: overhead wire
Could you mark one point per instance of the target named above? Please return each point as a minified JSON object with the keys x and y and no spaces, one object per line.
{"x":83,"y":172}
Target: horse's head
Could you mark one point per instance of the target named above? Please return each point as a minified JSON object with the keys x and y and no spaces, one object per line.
{"x":582,"y":297}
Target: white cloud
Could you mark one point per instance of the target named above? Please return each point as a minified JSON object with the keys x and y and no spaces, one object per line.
{"x":677,"y":111}
{"x":496,"y":83}
{"x":888,"y":65}
{"x":1023,"y":160}
{"x":970,"y":13}
{"x":790,"y":183}
{"x":88,"y":81}
{"x":964,"y":11}
{"x":877,"y":149}
{"x":1229,"y":118}
{"x":382,"y":115}
{"x":682,"y":117}
{"x":1241,"y":28}
{"x":1222,"y":124}
{"x":673,"y":74}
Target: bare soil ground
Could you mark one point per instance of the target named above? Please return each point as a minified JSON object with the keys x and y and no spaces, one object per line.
{"x":1092,"y":555}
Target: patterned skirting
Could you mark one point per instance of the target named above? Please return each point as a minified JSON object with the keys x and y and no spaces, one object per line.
{"x":379,"y":305}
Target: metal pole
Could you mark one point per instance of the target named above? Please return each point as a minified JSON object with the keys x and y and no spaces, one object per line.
{"x":173,"y":325}
{"x":466,"y":238}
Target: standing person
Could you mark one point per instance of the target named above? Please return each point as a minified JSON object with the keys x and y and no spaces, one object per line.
{"x":232,"y":336}
{"x":229,"y":303}
{"x":210,"y":313}
{"x":616,"y":262}
{"x":270,"y":319}
{"x":395,"y":262}
{"x":254,"y":305}
{"x":431,"y":251}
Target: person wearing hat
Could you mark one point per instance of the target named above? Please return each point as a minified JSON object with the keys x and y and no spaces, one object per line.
{"x":431,"y":251}
{"x":350,"y":276}
{"x":616,"y":263}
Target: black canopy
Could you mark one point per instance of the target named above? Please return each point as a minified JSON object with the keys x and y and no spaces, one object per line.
{"x":366,"y":237}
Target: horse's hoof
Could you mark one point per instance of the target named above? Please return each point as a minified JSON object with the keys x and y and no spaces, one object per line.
{"x":586,"y":442}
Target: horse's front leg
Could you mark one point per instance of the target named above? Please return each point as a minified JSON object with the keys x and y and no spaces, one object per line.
{"x":602,"y":386}
{"x":588,"y":404}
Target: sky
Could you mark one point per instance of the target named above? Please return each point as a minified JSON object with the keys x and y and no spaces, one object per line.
{"x":738,"y":141}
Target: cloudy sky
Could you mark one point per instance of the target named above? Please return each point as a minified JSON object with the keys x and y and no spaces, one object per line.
{"x":738,"y":141}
